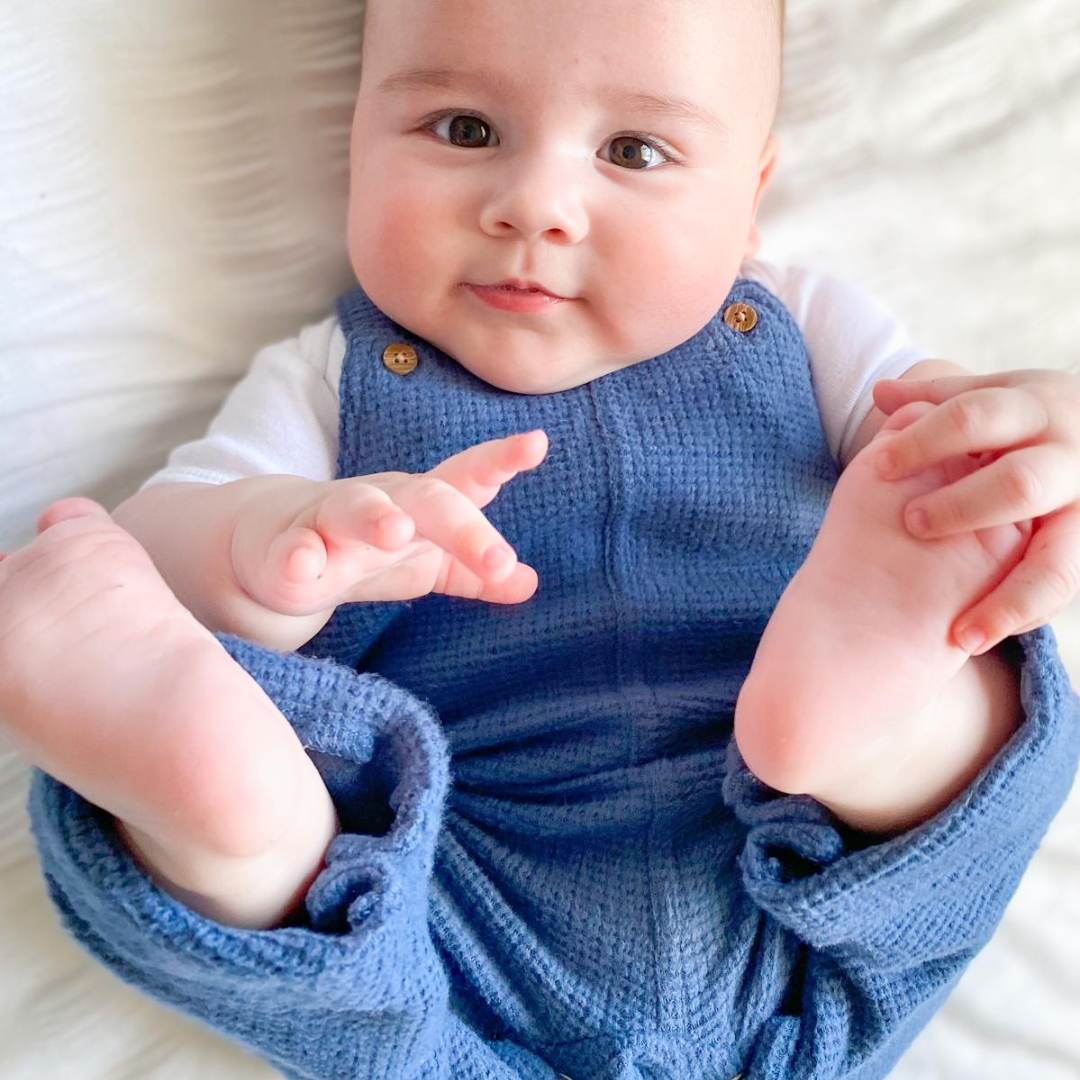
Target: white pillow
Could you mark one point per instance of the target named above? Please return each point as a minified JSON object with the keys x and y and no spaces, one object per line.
{"x":172,"y":195}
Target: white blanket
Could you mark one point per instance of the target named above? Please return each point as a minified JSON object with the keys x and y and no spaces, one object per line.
{"x":172,"y":190}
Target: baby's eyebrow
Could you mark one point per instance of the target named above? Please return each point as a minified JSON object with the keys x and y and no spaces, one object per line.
{"x":665,"y":108}
{"x":440,"y":79}
{"x":634,"y":101}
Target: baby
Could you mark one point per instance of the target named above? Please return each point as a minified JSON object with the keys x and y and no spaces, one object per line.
{"x":626,"y":740}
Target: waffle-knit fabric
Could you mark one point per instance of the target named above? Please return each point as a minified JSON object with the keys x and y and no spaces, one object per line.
{"x":554,"y":859}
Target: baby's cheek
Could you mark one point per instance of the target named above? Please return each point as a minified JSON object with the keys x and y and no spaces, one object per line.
{"x":681,"y":276}
{"x":391,"y":242}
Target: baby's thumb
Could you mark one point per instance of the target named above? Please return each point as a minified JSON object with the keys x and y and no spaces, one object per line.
{"x":67,"y":509}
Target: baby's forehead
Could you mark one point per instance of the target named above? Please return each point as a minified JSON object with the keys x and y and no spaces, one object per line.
{"x":738,"y":15}
{"x":721,"y":47}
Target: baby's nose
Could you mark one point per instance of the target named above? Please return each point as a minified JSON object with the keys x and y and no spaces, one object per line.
{"x":537,"y":199}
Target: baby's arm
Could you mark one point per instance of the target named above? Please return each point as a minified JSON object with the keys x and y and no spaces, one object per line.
{"x":188,"y":529}
{"x":268,"y":558}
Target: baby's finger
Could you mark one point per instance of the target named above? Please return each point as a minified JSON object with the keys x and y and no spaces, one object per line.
{"x":1021,"y":485}
{"x":451,"y":521}
{"x":479,"y":471}
{"x":360,"y":513}
{"x":297,"y":556}
{"x":1040,"y":586}
{"x":971,"y":423}
{"x":75,"y":506}
{"x":458,"y":580}
{"x":892,"y":394}
{"x":433,"y":571}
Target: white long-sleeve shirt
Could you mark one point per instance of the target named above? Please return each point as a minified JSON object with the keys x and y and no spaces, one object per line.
{"x":282,"y":417}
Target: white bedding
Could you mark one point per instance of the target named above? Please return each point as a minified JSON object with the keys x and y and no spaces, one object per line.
{"x":172,"y":181}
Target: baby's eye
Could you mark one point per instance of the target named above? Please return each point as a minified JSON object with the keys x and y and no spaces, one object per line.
{"x":464,"y":129}
{"x":630,"y":152}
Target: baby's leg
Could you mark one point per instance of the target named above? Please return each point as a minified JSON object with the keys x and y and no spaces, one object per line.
{"x":111,"y":686}
{"x":858,"y":655}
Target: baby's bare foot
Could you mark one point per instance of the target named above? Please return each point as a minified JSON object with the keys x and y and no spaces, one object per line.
{"x":860,"y":641}
{"x":110,"y":685}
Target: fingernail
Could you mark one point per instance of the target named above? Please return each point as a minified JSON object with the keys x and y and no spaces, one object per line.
{"x":918,"y":522}
{"x":498,"y":555}
{"x":971,"y":640}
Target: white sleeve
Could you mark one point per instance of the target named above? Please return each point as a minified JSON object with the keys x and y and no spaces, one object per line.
{"x":281,"y":417}
{"x":852,"y":339}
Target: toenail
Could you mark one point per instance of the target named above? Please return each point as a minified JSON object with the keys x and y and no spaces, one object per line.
{"x":918,"y":522}
{"x":971,"y":640}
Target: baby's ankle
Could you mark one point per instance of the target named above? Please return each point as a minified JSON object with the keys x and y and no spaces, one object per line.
{"x":907,"y":779}
{"x":255,"y":890}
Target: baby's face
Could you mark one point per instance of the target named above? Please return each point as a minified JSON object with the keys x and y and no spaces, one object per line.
{"x":610,"y":153}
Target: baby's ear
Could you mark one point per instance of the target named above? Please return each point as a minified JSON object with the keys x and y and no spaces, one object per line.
{"x":766,"y":167}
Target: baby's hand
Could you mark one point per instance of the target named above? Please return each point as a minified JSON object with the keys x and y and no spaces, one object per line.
{"x":389,"y":536}
{"x":1025,"y":426}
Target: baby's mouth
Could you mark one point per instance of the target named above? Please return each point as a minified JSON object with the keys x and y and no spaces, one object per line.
{"x":516,"y":286}
{"x":524,"y":297}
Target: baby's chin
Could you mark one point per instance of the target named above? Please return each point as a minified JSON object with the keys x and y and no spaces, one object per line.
{"x":535,"y":370}
{"x":559,"y":351}
{"x":517,"y":359}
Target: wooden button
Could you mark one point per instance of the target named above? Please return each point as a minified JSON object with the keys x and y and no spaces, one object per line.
{"x":741,"y":317}
{"x":399,"y":358}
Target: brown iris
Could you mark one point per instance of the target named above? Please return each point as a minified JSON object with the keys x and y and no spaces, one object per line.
{"x":631,"y":153}
{"x":469,"y":131}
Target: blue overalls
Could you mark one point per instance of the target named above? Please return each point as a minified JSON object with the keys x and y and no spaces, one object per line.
{"x":553,"y":858}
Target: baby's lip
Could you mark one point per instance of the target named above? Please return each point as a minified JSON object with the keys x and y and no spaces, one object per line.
{"x":519,"y":284}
